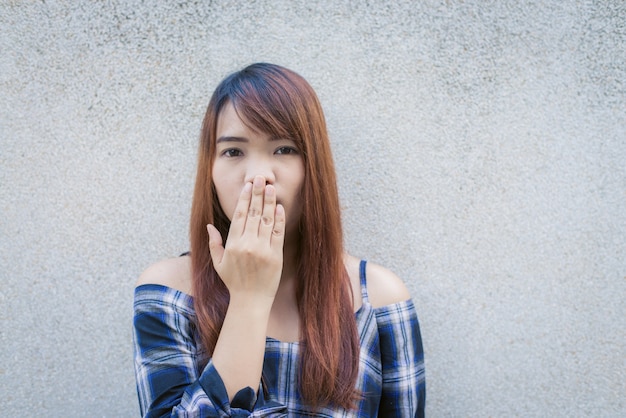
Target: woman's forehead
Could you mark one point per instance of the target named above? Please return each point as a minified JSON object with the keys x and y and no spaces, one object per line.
{"x":258,"y":122}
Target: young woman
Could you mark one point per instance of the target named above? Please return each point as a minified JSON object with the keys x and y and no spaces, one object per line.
{"x":267,"y":315}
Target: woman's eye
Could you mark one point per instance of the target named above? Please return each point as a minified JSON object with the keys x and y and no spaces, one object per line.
{"x":286,"y":150}
{"x":233,"y":152}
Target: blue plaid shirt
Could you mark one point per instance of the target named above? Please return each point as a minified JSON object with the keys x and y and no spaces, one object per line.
{"x":171,"y":383}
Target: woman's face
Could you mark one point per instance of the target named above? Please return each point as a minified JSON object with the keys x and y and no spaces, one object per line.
{"x":243,"y":153}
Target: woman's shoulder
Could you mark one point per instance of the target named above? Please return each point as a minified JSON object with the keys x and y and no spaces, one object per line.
{"x":171,"y":272}
{"x":383,"y":286}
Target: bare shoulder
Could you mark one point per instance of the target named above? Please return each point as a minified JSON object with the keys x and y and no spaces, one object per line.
{"x":171,"y":272}
{"x":383,"y":286}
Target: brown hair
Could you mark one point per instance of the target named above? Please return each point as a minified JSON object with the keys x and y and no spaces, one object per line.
{"x":279,"y":102}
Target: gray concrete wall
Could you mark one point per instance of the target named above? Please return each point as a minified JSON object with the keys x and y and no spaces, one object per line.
{"x":481,"y":151}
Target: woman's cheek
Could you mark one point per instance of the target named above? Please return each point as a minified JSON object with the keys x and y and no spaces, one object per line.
{"x":227,"y":203}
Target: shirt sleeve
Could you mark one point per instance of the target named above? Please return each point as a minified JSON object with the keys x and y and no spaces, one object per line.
{"x":169,"y":382}
{"x":402,"y":357}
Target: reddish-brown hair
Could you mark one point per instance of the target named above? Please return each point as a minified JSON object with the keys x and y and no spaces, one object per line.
{"x":279,"y":102}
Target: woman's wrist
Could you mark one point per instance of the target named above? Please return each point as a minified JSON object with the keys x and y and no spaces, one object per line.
{"x":251,"y":303}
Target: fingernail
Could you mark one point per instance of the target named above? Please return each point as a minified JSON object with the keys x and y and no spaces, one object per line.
{"x":247,"y":187}
{"x":269,"y":190}
{"x":259,"y":181}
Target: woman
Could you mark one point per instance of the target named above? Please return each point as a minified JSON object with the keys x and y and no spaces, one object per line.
{"x":267,"y":315}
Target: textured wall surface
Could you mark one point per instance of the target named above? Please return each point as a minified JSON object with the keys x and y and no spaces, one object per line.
{"x":481,"y":153}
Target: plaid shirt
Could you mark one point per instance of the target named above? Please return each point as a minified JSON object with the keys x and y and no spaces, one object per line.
{"x":171,"y":383}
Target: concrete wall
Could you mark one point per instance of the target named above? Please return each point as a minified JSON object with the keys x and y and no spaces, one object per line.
{"x":481,"y":152}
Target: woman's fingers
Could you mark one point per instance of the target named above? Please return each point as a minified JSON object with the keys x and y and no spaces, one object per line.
{"x":257,"y":215}
{"x":278,"y":231}
{"x":240,"y":216}
{"x":256,"y":207}
{"x":267,"y":216}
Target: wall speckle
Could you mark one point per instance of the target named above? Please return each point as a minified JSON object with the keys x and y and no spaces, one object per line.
{"x":480,"y":149}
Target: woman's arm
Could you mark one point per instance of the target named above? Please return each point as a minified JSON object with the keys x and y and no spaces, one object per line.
{"x":169,"y":381}
{"x":402,"y":355}
{"x":250,"y":265}
{"x":166,"y":357}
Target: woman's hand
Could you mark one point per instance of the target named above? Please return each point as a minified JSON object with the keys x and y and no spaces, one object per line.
{"x":251,"y":263}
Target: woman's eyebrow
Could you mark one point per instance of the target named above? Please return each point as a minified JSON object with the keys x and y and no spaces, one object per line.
{"x":280,"y":138}
{"x":231,"y":139}
{"x":227,"y":138}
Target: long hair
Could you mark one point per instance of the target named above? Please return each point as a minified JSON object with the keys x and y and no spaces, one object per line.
{"x":279,"y":102}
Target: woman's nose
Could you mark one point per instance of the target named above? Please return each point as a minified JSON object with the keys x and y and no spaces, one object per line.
{"x":261,"y":169}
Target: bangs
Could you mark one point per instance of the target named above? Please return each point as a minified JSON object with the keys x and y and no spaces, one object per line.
{"x":267,"y":101}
